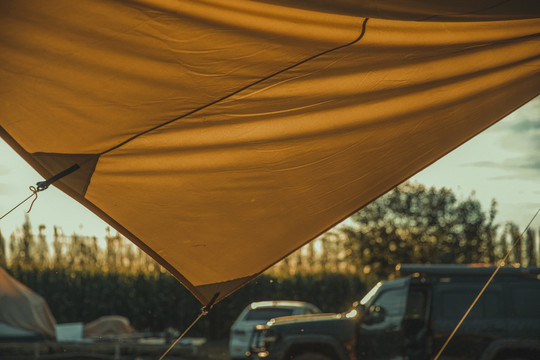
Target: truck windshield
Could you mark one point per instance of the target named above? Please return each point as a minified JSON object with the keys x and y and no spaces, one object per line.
{"x":265,"y":314}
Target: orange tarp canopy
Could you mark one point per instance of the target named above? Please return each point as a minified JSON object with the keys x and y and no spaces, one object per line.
{"x":219,"y":136}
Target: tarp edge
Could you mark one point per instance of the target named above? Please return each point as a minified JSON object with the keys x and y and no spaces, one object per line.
{"x":101,"y":214}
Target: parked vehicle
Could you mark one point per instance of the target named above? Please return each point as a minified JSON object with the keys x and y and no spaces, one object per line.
{"x":411,"y":317}
{"x":260,"y":313}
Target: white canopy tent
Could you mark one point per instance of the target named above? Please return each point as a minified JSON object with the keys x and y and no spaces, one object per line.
{"x":23,"y":310}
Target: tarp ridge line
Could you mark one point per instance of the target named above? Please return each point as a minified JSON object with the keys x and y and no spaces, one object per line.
{"x":363,"y":31}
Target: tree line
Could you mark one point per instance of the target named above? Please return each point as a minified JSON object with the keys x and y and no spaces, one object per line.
{"x":415,"y":224}
{"x":409,"y":224}
{"x":75,"y":251}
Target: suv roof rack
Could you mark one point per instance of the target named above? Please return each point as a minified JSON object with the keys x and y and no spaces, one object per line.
{"x":472,"y":269}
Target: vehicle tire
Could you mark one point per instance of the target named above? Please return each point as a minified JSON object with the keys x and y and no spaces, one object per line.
{"x":311,"y":356}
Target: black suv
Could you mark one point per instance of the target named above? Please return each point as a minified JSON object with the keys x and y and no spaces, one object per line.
{"x":411,"y":318}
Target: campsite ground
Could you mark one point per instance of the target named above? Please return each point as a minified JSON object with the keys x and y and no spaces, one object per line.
{"x":213,"y":350}
{"x":218,"y":350}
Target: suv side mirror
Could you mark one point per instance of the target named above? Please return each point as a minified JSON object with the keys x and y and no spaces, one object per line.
{"x":375,"y":315}
{"x":360,"y":308}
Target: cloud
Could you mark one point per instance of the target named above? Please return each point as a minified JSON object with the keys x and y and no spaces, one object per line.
{"x":524,"y":142}
{"x":517,"y":175}
{"x":532,"y":163}
{"x":525,"y":167}
{"x":507,"y":177}
{"x":523,"y":119}
{"x":525,"y":126}
{"x":523,"y":162}
{"x":519,"y":134}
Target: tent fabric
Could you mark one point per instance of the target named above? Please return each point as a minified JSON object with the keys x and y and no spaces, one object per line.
{"x":108,"y":325}
{"x":23,"y":308}
{"x":220,"y":136}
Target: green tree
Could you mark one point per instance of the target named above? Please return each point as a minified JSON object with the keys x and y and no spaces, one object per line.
{"x":111,"y":250}
{"x":128,"y":256}
{"x":415,"y":224}
{"x":28,"y":242}
{"x":311,"y":257}
{"x":299,"y":263}
{"x":515,"y":238}
{"x":57,"y":245}
{"x":93,"y":250}
{"x":491,"y":234}
{"x":503,"y":242}
{"x":530,"y":246}
{"x":42,"y":248}
{"x":326,"y":251}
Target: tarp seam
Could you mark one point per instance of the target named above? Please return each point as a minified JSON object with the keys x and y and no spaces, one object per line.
{"x":363,"y":31}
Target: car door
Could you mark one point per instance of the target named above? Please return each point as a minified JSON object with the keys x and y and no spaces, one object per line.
{"x":380,"y":335}
{"x":415,"y":325}
{"x":484,"y":324}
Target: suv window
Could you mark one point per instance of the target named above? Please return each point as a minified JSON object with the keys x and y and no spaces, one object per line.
{"x":455,"y":302}
{"x":416,"y":304}
{"x":265,"y":314}
{"x":393,"y":301}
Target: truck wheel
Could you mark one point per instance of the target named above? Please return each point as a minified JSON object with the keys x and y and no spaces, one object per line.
{"x":311,"y":356}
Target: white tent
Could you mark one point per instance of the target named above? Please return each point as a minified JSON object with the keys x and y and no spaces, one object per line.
{"x":23,"y":309}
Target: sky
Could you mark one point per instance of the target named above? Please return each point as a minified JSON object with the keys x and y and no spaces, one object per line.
{"x":502,"y":163}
